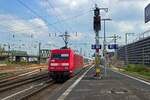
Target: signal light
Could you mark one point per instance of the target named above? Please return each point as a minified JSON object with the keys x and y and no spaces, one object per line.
{"x":96,"y":12}
{"x":97,"y":23}
{"x":54,"y":64}
{"x":65,"y":64}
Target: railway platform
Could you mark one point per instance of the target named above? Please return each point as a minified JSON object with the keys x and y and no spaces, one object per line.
{"x":114,"y":86}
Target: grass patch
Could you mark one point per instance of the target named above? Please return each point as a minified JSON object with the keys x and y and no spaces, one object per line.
{"x":18,"y":64}
{"x":138,"y":69}
{"x":3,"y":75}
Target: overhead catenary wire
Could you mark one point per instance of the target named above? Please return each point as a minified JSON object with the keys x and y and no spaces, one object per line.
{"x":51,"y":6}
{"x":83,"y":12}
{"x":24,"y":29}
{"x":93,"y":2}
{"x":70,"y":28}
{"x":50,"y":24}
{"x":36,"y":14}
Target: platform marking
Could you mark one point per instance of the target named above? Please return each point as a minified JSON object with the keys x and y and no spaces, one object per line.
{"x":66,"y":93}
{"x":10,"y":96}
{"x":133,"y":78}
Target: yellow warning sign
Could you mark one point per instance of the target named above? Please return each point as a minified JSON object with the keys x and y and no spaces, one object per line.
{"x":97,"y":60}
{"x":97,"y":70}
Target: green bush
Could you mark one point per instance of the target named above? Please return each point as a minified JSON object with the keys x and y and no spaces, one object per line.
{"x":20,"y":63}
{"x":147,"y":73}
{"x":141,"y":69}
{"x":135,"y":68}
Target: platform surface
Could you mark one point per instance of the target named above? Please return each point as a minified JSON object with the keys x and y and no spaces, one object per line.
{"x":114,"y":86}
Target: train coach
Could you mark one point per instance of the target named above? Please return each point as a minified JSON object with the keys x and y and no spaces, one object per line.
{"x":64,"y":64}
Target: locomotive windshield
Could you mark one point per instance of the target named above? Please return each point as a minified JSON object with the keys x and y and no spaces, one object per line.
{"x":60,"y":56}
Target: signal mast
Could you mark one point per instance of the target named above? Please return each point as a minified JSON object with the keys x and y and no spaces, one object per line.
{"x":97,"y":28}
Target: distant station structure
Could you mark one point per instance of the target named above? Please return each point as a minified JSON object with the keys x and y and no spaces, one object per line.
{"x":137,"y":52}
{"x":44,"y":54}
{"x":3,"y":54}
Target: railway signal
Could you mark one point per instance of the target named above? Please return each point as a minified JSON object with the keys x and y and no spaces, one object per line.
{"x":97,"y":28}
{"x":97,"y":20}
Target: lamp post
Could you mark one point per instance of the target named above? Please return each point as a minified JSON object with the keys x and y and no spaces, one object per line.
{"x":115,"y":37}
{"x":39,"y":52}
{"x":126,"y":49}
{"x":104,"y":44}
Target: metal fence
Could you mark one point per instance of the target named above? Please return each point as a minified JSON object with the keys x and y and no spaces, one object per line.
{"x":136,"y":53}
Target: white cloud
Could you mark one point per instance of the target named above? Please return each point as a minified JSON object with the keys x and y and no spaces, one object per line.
{"x":125,"y":26}
{"x":17,"y":25}
{"x":77,"y":36}
{"x":130,"y":26}
{"x":126,"y":16}
{"x":64,"y":7}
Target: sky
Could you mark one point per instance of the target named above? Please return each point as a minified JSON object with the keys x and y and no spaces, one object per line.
{"x":25,"y":23}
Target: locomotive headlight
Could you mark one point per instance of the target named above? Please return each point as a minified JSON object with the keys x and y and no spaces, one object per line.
{"x":52,"y":68}
{"x":66,"y":68}
{"x":54,"y":64}
{"x":65,"y":64}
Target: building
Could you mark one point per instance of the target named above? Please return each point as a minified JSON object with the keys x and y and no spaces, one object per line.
{"x":136,"y":53}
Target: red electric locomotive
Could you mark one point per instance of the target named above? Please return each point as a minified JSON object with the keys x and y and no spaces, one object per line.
{"x":64,"y":64}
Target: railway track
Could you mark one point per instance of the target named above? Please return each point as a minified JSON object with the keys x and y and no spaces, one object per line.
{"x":36,"y":91}
{"x":13,"y":88}
{"x":13,"y":78}
{"x":30,"y":91}
{"x":45,"y":92}
{"x":9,"y":85}
{"x":26,"y":88}
{"x":20,"y":73}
